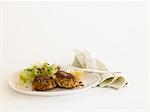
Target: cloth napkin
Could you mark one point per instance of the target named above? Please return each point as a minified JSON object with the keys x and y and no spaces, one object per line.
{"x":83,"y":59}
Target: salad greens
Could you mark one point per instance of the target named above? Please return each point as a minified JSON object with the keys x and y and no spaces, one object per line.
{"x":27,"y":75}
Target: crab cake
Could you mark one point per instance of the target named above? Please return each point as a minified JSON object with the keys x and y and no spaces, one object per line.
{"x":66,"y":80}
{"x":43,"y":83}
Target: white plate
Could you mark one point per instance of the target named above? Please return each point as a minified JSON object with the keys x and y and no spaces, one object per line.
{"x":89,"y":80}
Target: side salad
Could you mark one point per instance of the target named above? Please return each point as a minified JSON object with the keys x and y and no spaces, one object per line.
{"x":27,"y":75}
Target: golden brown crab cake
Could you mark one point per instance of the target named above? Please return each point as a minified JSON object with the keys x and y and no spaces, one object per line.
{"x":43,"y":83}
{"x":67,"y":80}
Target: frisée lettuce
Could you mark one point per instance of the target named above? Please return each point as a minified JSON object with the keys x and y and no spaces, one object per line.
{"x":27,"y":75}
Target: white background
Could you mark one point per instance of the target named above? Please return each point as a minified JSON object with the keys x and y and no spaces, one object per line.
{"x":37,"y":31}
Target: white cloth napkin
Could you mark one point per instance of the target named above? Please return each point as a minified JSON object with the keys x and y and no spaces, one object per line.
{"x":83,"y":59}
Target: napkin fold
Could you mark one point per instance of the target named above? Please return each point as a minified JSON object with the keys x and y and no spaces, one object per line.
{"x":83,"y":59}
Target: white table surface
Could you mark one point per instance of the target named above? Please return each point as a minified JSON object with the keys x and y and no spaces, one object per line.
{"x":115,"y":32}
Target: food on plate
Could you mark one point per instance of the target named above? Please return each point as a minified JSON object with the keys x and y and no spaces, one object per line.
{"x":42,"y":77}
{"x":42,"y":83}
{"x":67,"y":80}
{"x":27,"y":75}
